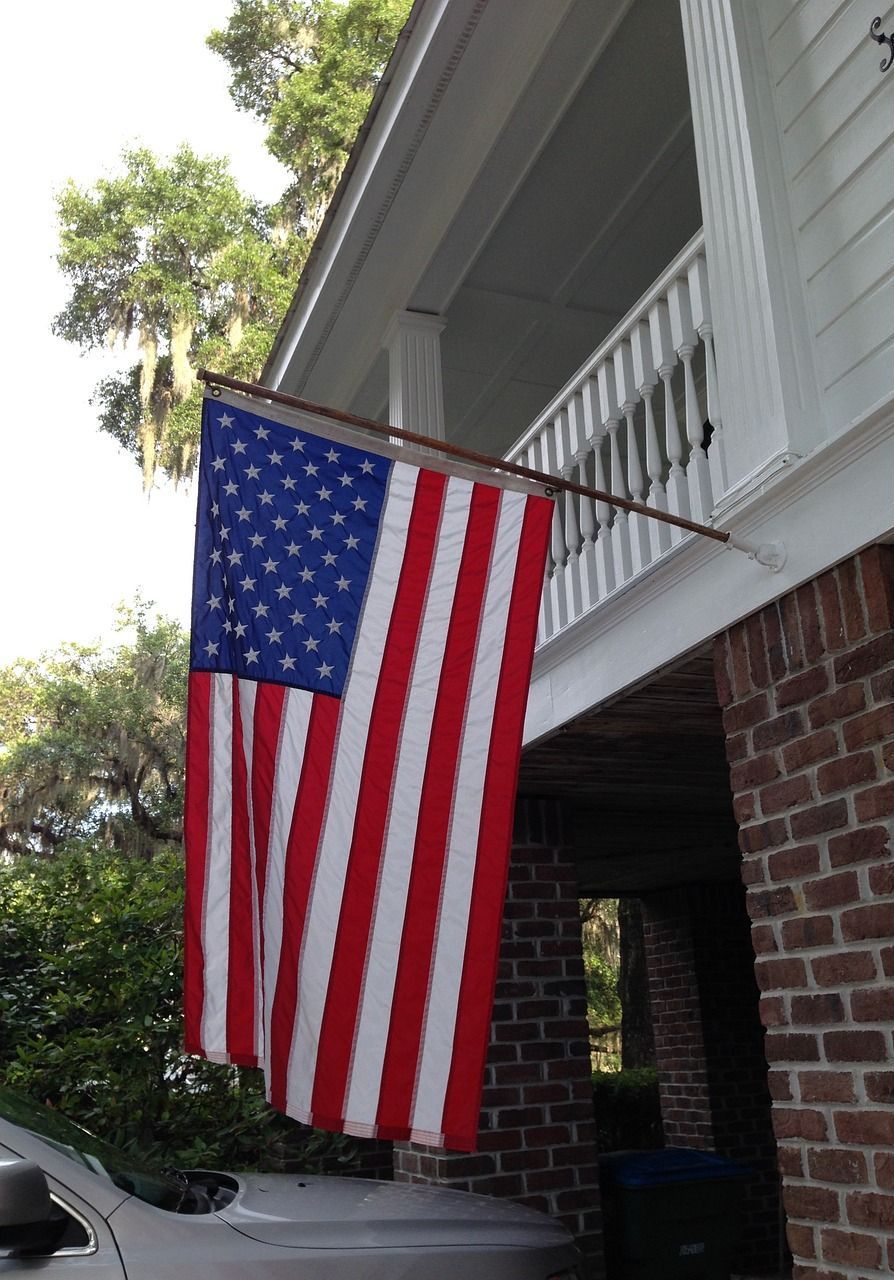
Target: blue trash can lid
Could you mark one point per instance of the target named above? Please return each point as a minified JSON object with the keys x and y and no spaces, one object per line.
{"x":672,"y":1164}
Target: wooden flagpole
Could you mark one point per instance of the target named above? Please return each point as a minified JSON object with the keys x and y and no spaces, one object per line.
{"x":772,"y":555}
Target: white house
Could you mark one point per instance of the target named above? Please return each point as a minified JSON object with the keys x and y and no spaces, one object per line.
{"x":649,"y":245}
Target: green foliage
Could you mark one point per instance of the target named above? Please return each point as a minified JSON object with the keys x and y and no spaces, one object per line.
{"x":90,"y":1015}
{"x":91,"y":742}
{"x":599,"y":932}
{"x":628,"y":1110}
{"x":307,"y":69}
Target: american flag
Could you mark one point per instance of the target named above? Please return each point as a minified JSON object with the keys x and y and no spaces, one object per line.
{"x":362,"y":636}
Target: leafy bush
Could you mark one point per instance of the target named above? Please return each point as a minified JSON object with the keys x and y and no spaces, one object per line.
{"x":90,"y":1016}
{"x":628,"y":1111}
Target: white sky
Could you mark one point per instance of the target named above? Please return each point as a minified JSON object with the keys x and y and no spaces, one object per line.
{"x":80,"y":82}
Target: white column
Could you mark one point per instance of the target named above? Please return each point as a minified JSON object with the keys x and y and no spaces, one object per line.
{"x":416,"y":395}
{"x":765,"y":366}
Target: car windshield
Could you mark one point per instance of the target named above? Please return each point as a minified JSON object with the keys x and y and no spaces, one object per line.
{"x":127,"y":1171}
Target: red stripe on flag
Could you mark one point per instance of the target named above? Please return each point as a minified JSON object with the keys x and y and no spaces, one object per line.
{"x":338,"y":1026}
{"x":470,"y":1039}
{"x":269,"y":702}
{"x":300,"y":860}
{"x":195,"y":837}
{"x":241,"y":1045}
{"x":411,"y":988}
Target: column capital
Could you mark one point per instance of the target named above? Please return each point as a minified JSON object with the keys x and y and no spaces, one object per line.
{"x":416,"y":396}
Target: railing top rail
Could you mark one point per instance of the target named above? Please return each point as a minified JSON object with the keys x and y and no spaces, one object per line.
{"x":638,"y":311}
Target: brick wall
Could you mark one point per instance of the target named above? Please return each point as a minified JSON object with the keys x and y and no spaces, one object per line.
{"x":709,"y":1047}
{"x":808,"y":690}
{"x":536,"y":1141}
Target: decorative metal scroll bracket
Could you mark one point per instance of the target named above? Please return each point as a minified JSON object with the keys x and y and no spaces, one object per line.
{"x":881,"y":38}
{"x":772,"y":555}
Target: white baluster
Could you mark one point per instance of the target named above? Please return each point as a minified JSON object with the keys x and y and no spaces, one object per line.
{"x":698,"y":472}
{"x":565,"y":466}
{"x":558,"y":591}
{"x":700,"y":298}
{"x":628,"y":395}
{"x":611,"y":420}
{"x":549,"y":621}
{"x":579,"y":447}
{"x":665,"y":358}
{"x":605,"y":558}
{"x":646,"y":379}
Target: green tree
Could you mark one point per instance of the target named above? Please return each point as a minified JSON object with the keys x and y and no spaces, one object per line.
{"x":172,"y":258}
{"x":91,"y":743}
{"x":307,"y":69}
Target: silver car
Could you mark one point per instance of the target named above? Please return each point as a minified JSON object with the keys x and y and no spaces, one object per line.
{"x":73,"y":1206}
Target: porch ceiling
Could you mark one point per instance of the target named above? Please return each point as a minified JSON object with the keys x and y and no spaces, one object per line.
{"x":645,"y":784}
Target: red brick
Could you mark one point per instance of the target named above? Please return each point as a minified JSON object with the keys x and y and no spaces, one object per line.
{"x":811,"y":631}
{"x":873,"y":921}
{"x":791,"y":627}
{"x":792,"y":864}
{"x":865,"y":1128}
{"x":877,"y":572}
{"x":751,"y":870}
{"x":859,"y":845}
{"x":744,"y":807}
{"x":836,"y":1164}
{"x":884,"y":1169}
{"x":757,"y":652}
{"x":837,"y":705}
{"x":737,"y":747}
{"x":843,"y":967}
{"x":874,"y":1004}
{"x":851,"y":1248}
{"x":807,"y":931}
{"x":753,"y":772}
{"x":806,"y":751}
{"x":722,"y":681}
{"x":826,"y":1086}
{"x":879,"y":1086}
{"x":776,"y":659}
{"x":886,"y":955}
{"x":819,"y":818}
{"x":773,"y":733}
{"x":882,"y":685}
{"x":819,"y":1204}
{"x":831,"y":610}
{"x":800,"y":1240}
{"x":744,"y":715}
{"x":800,"y":1122}
{"x":851,"y":604}
{"x":775,"y":975}
{"x":876,"y":802}
{"x":738,"y":663}
{"x":851,"y":770}
{"x":855,"y":1046}
{"x":763,"y":835}
{"x":869,"y":1209}
{"x":788,"y":794}
{"x":874,"y":726}
{"x":789,"y":1160}
{"x":809,"y":1272}
{"x":818,"y":1010}
{"x":807,"y":684}
{"x":832,"y":891}
{"x":790,"y":1046}
{"x":779,"y":1086}
{"x":770,"y":902}
{"x":867,"y":660}
{"x":763,"y":940}
{"x":772,"y":1011}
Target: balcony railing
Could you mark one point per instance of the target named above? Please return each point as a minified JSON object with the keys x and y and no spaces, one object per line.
{"x":608,"y":429}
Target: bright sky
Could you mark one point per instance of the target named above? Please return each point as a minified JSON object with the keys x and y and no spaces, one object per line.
{"x":82,"y":81}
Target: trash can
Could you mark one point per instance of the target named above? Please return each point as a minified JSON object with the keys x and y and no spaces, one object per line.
{"x":670,"y":1214}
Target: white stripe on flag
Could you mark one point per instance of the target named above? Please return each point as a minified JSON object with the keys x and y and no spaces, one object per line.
{"x":397,"y":859}
{"x":336,"y":837}
{"x":216,"y":922}
{"x":437,"y":1041}
{"x":289,"y":759}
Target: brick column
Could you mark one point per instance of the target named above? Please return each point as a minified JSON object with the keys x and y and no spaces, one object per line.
{"x":808,"y":690}
{"x":537,"y":1130}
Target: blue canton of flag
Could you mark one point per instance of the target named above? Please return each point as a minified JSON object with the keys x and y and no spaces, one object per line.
{"x":286,"y":533}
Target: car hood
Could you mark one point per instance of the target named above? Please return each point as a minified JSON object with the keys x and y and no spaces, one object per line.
{"x":338,"y":1213}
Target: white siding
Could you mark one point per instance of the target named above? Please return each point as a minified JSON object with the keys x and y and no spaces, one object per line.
{"x":835,"y":111}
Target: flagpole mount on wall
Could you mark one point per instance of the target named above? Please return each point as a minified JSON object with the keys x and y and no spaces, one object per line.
{"x":772,"y":555}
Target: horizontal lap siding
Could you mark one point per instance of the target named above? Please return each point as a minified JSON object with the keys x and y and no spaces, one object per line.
{"x":833,"y":108}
